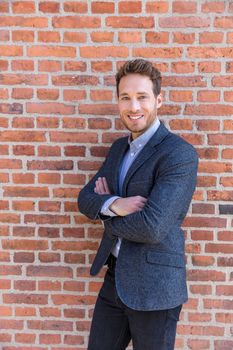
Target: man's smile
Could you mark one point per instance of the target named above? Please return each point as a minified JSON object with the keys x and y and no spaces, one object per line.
{"x":135,"y":117}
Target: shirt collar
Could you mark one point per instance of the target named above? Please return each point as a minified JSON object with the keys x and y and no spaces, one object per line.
{"x":141,"y":140}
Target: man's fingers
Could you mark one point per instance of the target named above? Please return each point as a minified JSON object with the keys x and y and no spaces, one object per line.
{"x":105,"y":185}
{"x":101,"y":186}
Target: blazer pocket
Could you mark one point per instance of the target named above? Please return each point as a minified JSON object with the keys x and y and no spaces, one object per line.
{"x":166,"y":259}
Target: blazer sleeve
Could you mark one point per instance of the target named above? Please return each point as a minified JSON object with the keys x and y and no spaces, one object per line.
{"x":89,"y":202}
{"x":167,"y":204}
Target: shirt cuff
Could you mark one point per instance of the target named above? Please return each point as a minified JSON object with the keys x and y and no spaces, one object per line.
{"x":105,"y":208}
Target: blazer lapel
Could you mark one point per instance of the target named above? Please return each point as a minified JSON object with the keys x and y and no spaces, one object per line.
{"x":146,"y":153}
{"x":116,"y":162}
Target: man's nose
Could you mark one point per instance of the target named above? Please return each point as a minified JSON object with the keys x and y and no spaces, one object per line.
{"x":135,"y":105}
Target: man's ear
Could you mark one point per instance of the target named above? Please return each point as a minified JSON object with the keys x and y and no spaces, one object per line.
{"x":159,"y":100}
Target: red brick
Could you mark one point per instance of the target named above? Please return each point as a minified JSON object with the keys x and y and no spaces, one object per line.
{"x":181,"y":96}
{"x":75,"y":6}
{"x":224,"y":22}
{"x":46,"y":36}
{"x":223,"y":344}
{"x":76,"y":22}
{"x":208,"y":153}
{"x":23,"y":7}
{"x":50,"y":325}
{"x":49,"y":285}
{"x":50,"y":312}
{"x":220,"y":139}
{"x":203,"y":260}
{"x":208,"y":125}
{"x":130,"y":7}
{"x":50,"y":339}
{"x":208,"y":96}
{"x":73,"y":299}
{"x":74,"y":123}
{"x":27,"y":178}
{"x":158,"y":38}
{"x":204,"y":222}
{"x":49,"y":7}
{"x":226,"y":181}
{"x":198,"y":344}
{"x":6,"y":50}
{"x":4,"y":7}
{"x":184,"y":22}
{"x":184,"y":7}
{"x":75,"y":151}
{"x":177,"y":81}
{"x":47,"y":122}
{"x":224,"y":290}
{"x":227,"y":153}
{"x":102,"y":52}
{"x":209,"y":67}
{"x":48,"y":94}
{"x":98,"y":109}
{"x":101,"y":95}
{"x":157,"y":52}
{"x":183,"y":38}
{"x":68,"y":80}
{"x":99,"y":123}
{"x":182,"y":67}
{"x":49,"y":108}
{"x":207,"y":109}
{"x":23,"y":35}
{"x":76,"y":66}
{"x":201,"y":289}
{"x":228,"y":96}
{"x":130,"y":22}
{"x":73,"y":339}
{"x":73,"y":37}
{"x":37,"y":22}
{"x":73,"y":137}
{"x":208,"y":52}
{"x":213,"y":6}
{"x":49,"y":66}
{"x":37,"y":299}
{"x":74,"y":95}
{"x":49,"y":206}
{"x":52,"y":51}
{"x":210,"y":37}
{"x":22,"y":93}
{"x":22,"y":65}
{"x":102,"y":37}
{"x":157,"y":6}
{"x":102,"y":7}
{"x":181,"y":124}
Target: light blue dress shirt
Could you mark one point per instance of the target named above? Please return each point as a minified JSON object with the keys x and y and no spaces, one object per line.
{"x":135,"y":148}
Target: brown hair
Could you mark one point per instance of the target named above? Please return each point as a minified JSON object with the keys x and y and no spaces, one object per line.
{"x":143,"y":67}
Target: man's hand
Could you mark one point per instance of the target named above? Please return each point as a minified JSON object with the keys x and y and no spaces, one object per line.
{"x":129,"y":205}
{"x":121,"y":206}
{"x":101,"y":186}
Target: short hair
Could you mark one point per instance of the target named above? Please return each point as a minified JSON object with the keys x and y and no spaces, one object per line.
{"x":143,"y":67}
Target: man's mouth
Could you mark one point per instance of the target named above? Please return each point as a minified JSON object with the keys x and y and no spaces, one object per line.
{"x":135,"y":117}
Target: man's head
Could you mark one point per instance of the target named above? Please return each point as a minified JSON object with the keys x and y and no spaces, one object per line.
{"x":143,"y":67}
{"x":139,"y":97}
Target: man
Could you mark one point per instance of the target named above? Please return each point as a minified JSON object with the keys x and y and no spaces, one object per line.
{"x":142,"y":194}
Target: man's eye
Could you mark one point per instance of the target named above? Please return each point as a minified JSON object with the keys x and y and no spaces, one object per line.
{"x":142,"y":97}
{"x":124,"y":98}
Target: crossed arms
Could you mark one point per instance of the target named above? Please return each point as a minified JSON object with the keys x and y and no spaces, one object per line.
{"x":121,"y":206}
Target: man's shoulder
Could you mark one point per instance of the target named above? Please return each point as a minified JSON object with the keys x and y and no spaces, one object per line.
{"x":179,"y":141}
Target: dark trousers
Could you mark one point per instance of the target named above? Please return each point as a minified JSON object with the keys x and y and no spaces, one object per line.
{"x":114,"y":324}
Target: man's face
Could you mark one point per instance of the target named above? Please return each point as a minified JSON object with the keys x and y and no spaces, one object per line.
{"x":137,"y":103}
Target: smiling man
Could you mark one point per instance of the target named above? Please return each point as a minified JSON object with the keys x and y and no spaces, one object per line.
{"x":142,"y":194}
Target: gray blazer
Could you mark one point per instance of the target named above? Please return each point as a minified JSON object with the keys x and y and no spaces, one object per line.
{"x":150,"y":269}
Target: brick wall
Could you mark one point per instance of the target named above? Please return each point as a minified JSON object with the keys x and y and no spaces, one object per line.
{"x":58,"y":116}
